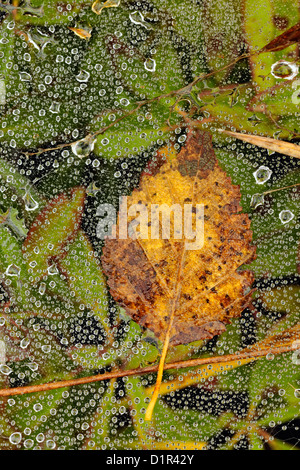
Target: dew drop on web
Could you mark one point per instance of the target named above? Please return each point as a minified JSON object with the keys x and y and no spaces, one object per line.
{"x":284,"y":70}
{"x":82,"y":148}
{"x":262,"y":174}
{"x":13,"y":270}
{"x":257,"y":200}
{"x":150,"y":65}
{"x":286,"y":216}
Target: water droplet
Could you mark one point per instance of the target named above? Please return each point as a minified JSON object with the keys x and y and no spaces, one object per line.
{"x":137,"y":18}
{"x":124,"y":101}
{"x":46,"y":348}
{"x":285,"y":70}
{"x":82,"y":148}
{"x":32,"y":41}
{"x":13,"y":270}
{"x":52,"y":270}
{"x":28,"y":443}
{"x":296,"y":357}
{"x":5,"y":370}
{"x":30,"y":203}
{"x":48,"y":79}
{"x":42,"y":288}
{"x":286,"y":216}
{"x":150,"y":65}
{"x":83,"y":76}
{"x":257,"y":200}
{"x":10,"y":25}
{"x":33,"y":366}
{"x":15,"y":438}
{"x":54,"y":108}
{"x":27,"y":431}
{"x":50,"y":444}
{"x":262,"y":174}
{"x":297,"y":392}
{"x":96,"y":163}
{"x":40,"y":437}
{"x":270,"y":357}
{"x":24,"y":343}
{"x":37,"y":407}
{"x":25,"y":77}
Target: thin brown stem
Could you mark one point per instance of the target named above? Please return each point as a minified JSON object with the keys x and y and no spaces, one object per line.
{"x":145,"y":370}
{"x":281,"y":189}
{"x":181,"y":91}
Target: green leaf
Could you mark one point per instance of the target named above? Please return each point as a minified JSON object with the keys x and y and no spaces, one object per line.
{"x":224,"y":113}
{"x":256,"y":441}
{"x":152,"y":75}
{"x":171,"y":425}
{"x":224,"y":41}
{"x":134,"y":136}
{"x":17,"y":192}
{"x":84,"y":275}
{"x":270,"y":390}
{"x":13,"y":267}
{"x":283,"y":299}
{"x":53,"y":229}
{"x":39,"y":12}
{"x":281,"y":103}
{"x":100,"y":428}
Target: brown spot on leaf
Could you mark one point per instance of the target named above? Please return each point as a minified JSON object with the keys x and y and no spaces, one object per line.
{"x":281,"y":22}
